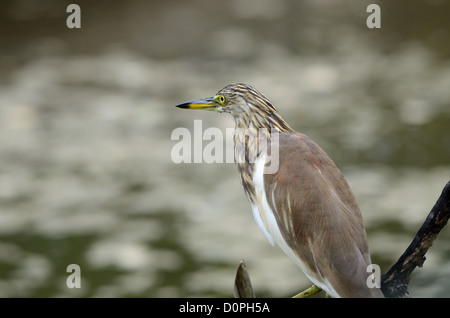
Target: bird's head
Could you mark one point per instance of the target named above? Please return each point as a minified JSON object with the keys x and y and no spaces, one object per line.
{"x":246,"y":104}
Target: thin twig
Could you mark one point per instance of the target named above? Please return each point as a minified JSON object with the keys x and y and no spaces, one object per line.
{"x":242,"y":285}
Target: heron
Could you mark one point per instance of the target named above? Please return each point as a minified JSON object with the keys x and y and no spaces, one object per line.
{"x":305,"y":206}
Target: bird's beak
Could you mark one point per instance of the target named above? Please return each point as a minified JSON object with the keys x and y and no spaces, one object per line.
{"x":207,"y":103}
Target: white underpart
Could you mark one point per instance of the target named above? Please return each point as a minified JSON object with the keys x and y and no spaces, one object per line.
{"x":266,"y":221}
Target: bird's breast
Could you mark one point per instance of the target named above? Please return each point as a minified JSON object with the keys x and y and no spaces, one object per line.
{"x":263,"y":213}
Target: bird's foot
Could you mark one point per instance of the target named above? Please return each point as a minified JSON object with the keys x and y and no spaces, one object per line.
{"x":308,"y":292}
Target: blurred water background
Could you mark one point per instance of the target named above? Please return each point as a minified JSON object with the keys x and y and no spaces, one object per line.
{"x":86,"y":117}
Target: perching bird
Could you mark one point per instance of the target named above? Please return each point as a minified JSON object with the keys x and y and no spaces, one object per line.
{"x":299,"y":197}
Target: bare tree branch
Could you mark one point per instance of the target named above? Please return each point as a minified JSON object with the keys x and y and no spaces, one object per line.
{"x":395,"y":282}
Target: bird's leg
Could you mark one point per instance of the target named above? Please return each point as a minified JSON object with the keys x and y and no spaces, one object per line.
{"x":308,"y":292}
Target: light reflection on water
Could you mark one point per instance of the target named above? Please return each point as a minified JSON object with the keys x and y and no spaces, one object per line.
{"x":86,"y":175}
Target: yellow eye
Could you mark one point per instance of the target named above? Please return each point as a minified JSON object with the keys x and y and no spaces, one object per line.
{"x":222,"y":100}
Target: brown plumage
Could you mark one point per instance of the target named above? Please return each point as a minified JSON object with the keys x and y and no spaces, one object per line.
{"x":306,"y":205}
{"x":324,"y":226}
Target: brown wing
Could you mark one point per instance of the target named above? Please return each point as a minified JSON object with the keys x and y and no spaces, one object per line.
{"x":318,"y":215}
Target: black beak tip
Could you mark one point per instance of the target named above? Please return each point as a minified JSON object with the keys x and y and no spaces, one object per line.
{"x":183,"y":105}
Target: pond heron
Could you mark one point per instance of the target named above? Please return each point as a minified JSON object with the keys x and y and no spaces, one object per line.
{"x":305,"y":205}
